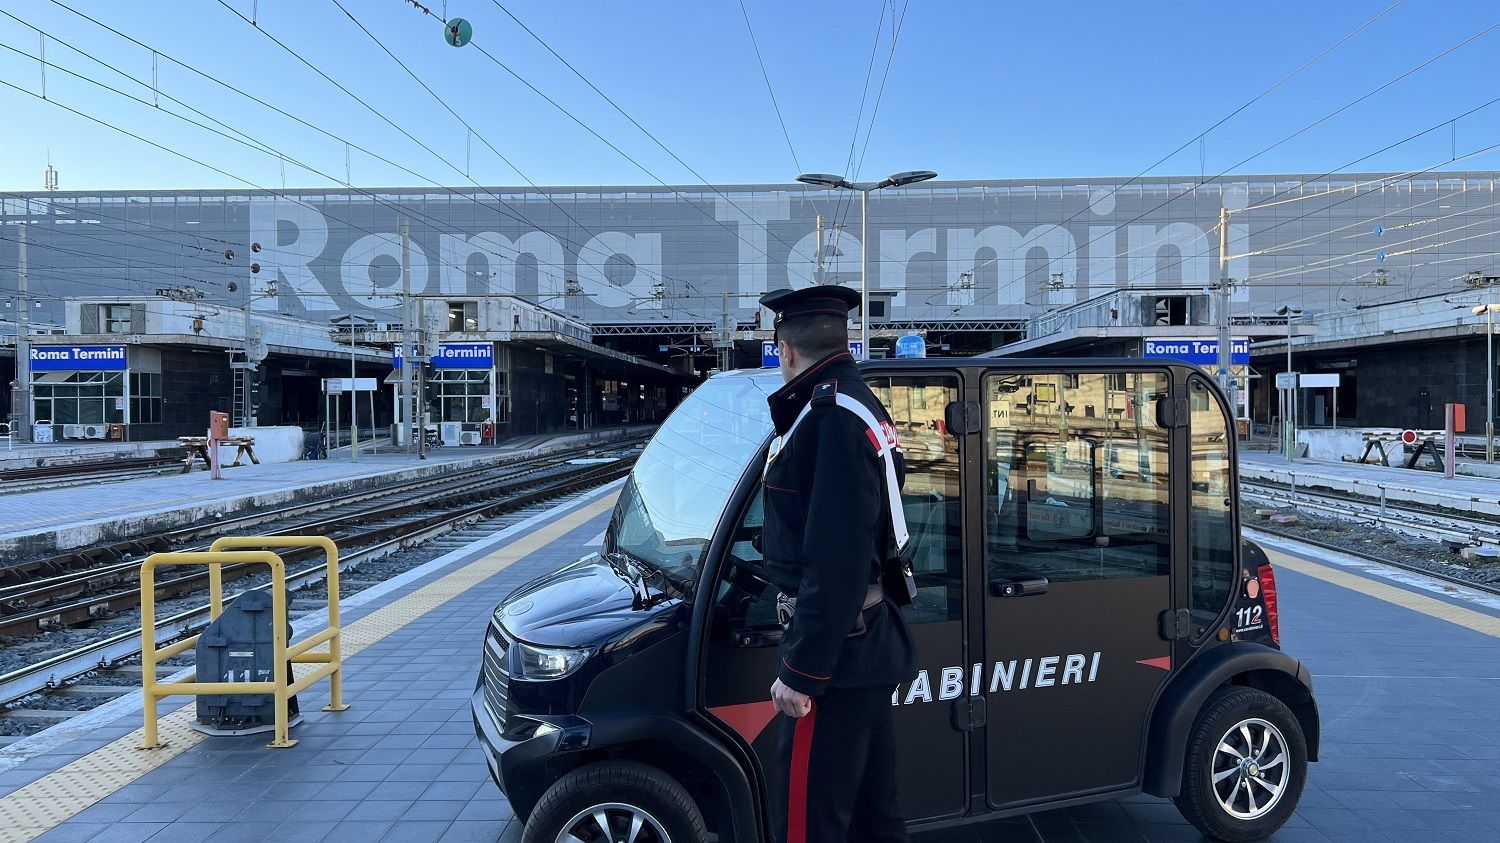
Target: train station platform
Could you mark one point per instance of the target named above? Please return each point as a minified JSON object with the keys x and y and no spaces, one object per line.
{"x":1400,"y":485}
{"x":54,"y":520}
{"x":32,"y":454}
{"x":1404,"y":668}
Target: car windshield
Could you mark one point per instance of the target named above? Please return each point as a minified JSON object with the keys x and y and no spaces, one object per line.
{"x":682,"y":482}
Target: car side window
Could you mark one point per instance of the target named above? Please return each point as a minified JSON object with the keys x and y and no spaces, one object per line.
{"x":930,"y":493}
{"x":1211,"y":527}
{"x":1076,"y":477}
{"x":930,"y":497}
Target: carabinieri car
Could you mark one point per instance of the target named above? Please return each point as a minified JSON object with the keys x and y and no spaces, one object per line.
{"x":1090,"y":625}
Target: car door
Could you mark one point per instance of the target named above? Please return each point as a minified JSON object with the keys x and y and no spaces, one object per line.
{"x":741,"y":653}
{"x":1077,"y":555}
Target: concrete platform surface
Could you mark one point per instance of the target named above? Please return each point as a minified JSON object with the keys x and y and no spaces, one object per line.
{"x":1405,"y":670}
{"x":1476,"y":494}
{"x":74,"y":451}
{"x":56,"y":519}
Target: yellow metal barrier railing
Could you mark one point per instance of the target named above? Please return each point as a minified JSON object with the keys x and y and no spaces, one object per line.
{"x":282,"y":685}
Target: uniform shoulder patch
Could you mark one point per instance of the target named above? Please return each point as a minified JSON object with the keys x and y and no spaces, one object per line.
{"x":825,"y":392}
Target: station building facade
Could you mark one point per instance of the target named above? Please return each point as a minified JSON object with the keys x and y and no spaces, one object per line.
{"x":154,"y":367}
{"x":668,"y":276}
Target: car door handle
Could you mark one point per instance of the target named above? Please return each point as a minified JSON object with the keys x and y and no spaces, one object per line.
{"x":757,"y":637}
{"x":1018,"y":588}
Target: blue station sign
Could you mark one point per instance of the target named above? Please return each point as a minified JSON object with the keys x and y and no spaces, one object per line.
{"x":769,"y":359}
{"x":78,"y":358}
{"x":457,"y":355}
{"x":1200,"y":352}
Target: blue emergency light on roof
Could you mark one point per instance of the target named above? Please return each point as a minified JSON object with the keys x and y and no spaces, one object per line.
{"x":911,"y":346}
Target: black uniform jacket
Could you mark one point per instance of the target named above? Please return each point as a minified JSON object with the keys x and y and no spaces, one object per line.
{"x":826,"y":532}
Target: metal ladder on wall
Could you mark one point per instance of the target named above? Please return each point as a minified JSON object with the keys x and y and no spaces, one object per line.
{"x":239,"y":410}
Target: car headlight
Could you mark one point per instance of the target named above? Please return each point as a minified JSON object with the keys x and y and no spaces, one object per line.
{"x":533,"y":662}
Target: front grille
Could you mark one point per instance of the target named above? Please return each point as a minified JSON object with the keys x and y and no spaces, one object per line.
{"x":496,"y":676}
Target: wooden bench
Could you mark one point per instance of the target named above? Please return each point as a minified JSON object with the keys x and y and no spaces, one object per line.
{"x":197,"y":448}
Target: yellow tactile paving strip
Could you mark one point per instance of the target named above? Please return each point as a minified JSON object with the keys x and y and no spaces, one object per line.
{"x":1430,"y":606}
{"x":45,"y":803}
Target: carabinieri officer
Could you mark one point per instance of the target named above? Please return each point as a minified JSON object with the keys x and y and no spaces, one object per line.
{"x":828,"y":532}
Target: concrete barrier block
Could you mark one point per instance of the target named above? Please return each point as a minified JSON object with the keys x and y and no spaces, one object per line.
{"x":272,"y":444}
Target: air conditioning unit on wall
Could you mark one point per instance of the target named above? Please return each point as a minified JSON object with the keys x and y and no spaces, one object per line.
{"x":468,"y":437}
{"x":72,"y":431}
{"x":93,"y":431}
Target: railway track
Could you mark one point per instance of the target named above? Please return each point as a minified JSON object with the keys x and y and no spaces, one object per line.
{"x":76,"y":597}
{"x":1370,"y":557}
{"x":1421,"y":522}
{"x":15,"y":480}
{"x":396,"y":533}
{"x":97,"y":557}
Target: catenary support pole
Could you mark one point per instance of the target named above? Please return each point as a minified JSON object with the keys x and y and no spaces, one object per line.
{"x":819,"y":276}
{"x":420,"y":371}
{"x":1226,"y":353}
{"x":864,"y":274}
{"x":353,"y":398}
{"x":1489,"y":378}
{"x":20,"y":411}
{"x":404,"y":416}
{"x":1289,"y":425}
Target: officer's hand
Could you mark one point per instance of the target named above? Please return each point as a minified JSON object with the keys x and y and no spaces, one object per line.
{"x":789,"y":702}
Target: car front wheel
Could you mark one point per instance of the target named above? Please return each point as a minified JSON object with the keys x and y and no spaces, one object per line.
{"x":615,"y":801}
{"x":1245,"y":768}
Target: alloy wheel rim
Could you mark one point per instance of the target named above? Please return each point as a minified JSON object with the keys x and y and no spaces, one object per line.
{"x":1250,"y":769}
{"x":613,"y":822}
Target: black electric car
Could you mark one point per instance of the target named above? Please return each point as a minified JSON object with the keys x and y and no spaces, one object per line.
{"x":1089,"y":623}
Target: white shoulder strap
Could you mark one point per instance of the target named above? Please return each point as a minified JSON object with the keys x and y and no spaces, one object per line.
{"x":885,"y":449}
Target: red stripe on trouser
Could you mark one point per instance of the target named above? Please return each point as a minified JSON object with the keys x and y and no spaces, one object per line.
{"x":796,"y":798}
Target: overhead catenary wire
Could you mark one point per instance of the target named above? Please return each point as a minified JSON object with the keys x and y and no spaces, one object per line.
{"x":685,"y":282}
{"x":502,"y":208}
{"x":1384,"y":180}
{"x":444,"y":103}
{"x":1298,"y":132}
{"x":436,"y":223}
{"x":223,"y":172}
{"x":249,"y":141}
{"x":1252,"y":101}
{"x":896,"y":26}
{"x":623,"y":154}
{"x":628,"y":116}
{"x":403,"y":131}
{"x":760,"y":60}
{"x":1393,"y":178}
{"x":1341,"y":109}
{"x":346,"y":141}
{"x":898,"y":23}
{"x":858,"y":120}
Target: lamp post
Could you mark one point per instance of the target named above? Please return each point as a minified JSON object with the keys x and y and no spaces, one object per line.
{"x":865,"y":188}
{"x":1288,"y":434}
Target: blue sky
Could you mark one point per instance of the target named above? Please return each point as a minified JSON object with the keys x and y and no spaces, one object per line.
{"x":975,"y":90}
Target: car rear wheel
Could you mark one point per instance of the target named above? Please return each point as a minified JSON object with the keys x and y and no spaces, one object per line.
{"x":615,"y":802}
{"x":1245,"y":768}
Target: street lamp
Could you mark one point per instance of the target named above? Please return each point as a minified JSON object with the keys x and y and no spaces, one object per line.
{"x":1289,"y":398}
{"x":865,"y":188}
